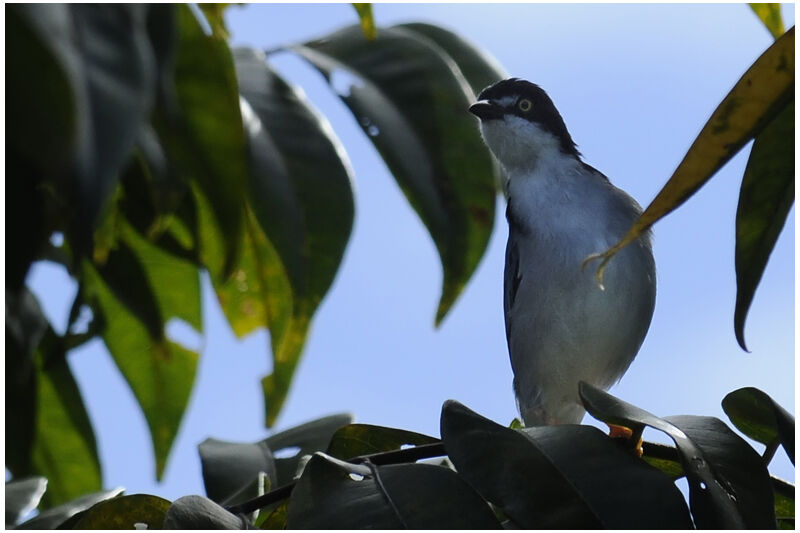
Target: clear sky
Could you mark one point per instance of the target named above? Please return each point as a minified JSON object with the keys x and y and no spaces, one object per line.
{"x":634,"y":83}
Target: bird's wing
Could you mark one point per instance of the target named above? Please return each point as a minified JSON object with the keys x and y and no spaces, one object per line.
{"x":512,"y":277}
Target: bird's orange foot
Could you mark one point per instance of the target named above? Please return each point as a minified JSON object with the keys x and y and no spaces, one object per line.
{"x":621,"y":432}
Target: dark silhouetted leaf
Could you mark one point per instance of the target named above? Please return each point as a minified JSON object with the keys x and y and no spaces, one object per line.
{"x":770,"y":15}
{"x":759,"y":95}
{"x":784,"y":503}
{"x":273,"y":518}
{"x":52,"y":518}
{"x":229,"y":466}
{"x":479,"y":68}
{"x":728,"y":484}
{"x":22,"y":497}
{"x":757,"y":415}
{"x":559,"y":476}
{"x":363,"y":439}
{"x":289,"y":446}
{"x":123,"y":512}
{"x":333,"y":494}
{"x":159,"y":372}
{"x":411,"y":99}
{"x":196,"y":512}
{"x":301,"y":194}
{"x":765,"y":198}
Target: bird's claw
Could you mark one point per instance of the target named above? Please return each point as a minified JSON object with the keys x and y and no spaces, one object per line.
{"x":622,"y":432}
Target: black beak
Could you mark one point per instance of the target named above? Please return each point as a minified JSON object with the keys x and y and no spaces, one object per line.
{"x":486,"y":110}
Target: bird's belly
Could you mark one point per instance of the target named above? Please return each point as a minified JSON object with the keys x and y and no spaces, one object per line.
{"x":566,"y":328}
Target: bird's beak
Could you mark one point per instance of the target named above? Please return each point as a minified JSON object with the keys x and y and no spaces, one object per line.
{"x":486,"y":110}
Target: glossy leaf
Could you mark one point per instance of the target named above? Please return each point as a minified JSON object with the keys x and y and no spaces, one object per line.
{"x":333,"y":494}
{"x":291,"y":445}
{"x":159,"y":372}
{"x":229,"y":466}
{"x":206,"y":143}
{"x":22,"y":497}
{"x":770,"y":15}
{"x":301,"y":194}
{"x":367,"y":20}
{"x":757,"y":415}
{"x":196,"y":512}
{"x":765,"y":198}
{"x":410,"y":98}
{"x":478,"y":67}
{"x":124,"y":512}
{"x":759,"y":95}
{"x":54,"y":517}
{"x":559,"y":476}
{"x":728,"y":484}
{"x":355,"y":440}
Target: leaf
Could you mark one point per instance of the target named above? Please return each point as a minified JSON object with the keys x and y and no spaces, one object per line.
{"x":784,"y":503}
{"x":410,"y":98}
{"x":159,"y":372}
{"x":757,"y":415}
{"x":301,"y":194}
{"x":228,"y":466}
{"x":90,"y":43}
{"x":478,"y":67}
{"x":367,"y":20}
{"x":206,"y":142}
{"x":22,"y":497}
{"x":196,"y":512}
{"x":332,"y":494}
{"x":759,"y":95}
{"x":770,"y":15}
{"x":765,"y":198}
{"x":52,"y":518}
{"x":215,"y":15}
{"x":355,"y":440}
{"x":728,"y":484}
{"x":123,"y":512}
{"x":304,"y":439}
{"x":275,"y":518}
{"x":63,"y":447}
{"x":556,"y":477}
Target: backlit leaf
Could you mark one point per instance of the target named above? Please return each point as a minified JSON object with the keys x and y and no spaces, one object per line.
{"x":770,"y":15}
{"x":759,"y":95}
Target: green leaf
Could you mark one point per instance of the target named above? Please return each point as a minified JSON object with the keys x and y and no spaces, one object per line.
{"x":301,"y":195}
{"x":206,"y":142}
{"x":728,"y":483}
{"x":229,"y":466}
{"x":770,"y":15}
{"x":22,"y":497}
{"x":759,"y":95}
{"x":274,"y":518}
{"x":367,"y":20}
{"x":478,"y":67}
{"x":411,"y":100}
{"x":556,"y":477}
{"x":355,"y":440}
{"x":757,"y":415}
{"x":765,"y":198}
{"x":784,"y":503}
{"x":258,"y":486}
{"x":289,"y":446}
{"x":52,"y":518}
{"x":196,"y":512}
{"x":333,"y":494}
{"x":215,"y":15}
{"x":124,"y":512}
{"x":159,"y":372}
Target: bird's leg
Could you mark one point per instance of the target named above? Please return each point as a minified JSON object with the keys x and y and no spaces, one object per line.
{"x":632,"y":440}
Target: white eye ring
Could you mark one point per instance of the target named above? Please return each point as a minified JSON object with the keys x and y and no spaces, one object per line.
{"x":525,"y":105}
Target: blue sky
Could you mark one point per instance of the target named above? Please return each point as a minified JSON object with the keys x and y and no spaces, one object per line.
{"x":634,"y":83}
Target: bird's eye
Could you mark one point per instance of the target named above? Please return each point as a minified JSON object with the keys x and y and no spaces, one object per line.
{"x":525,"y":105}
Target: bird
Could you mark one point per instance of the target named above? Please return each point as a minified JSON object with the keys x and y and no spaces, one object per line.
{"x":562,"y":325}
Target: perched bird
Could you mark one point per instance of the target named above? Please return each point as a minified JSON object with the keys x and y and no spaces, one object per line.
{"x":562,"y":326}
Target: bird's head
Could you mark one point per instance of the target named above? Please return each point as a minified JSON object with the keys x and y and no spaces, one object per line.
{"x":520,"y":124}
